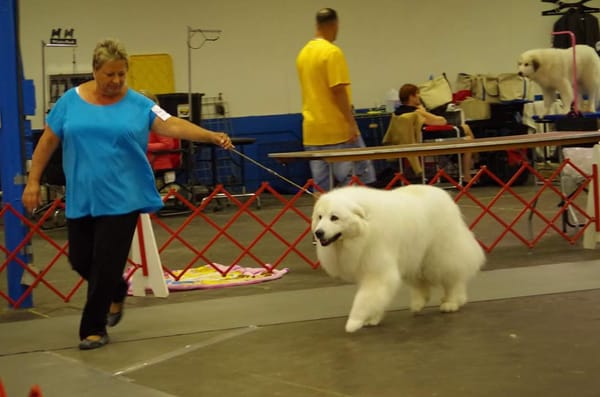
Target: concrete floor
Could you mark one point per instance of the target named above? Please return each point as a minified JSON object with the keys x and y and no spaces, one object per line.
{"x":531,"y":328}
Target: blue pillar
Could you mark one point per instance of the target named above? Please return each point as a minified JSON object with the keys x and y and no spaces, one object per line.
{"x":12,"y":135}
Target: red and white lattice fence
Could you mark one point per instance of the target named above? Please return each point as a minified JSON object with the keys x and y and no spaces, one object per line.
{"x":241,"y":235}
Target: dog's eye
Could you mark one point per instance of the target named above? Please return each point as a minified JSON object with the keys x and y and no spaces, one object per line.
{"x":526,"y":64}
{"x":333,"y":218}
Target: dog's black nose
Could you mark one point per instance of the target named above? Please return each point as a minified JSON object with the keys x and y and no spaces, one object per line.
{"x":319,"y":234}
{"x":521,"y":74}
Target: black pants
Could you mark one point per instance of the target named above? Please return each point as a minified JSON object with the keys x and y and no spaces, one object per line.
{"x":98,"y":251}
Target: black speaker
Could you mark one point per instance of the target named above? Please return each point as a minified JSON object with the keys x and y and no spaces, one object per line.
{"x":177,"y":105}
{"x":577,"y":124}
{"x":505,"y":163}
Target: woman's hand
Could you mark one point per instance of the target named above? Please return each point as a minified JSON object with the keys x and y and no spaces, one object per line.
{"x":32,"y":196}
{"x":221,"y":139}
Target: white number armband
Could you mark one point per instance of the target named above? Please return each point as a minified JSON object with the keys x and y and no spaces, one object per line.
{"x":161,"y":113}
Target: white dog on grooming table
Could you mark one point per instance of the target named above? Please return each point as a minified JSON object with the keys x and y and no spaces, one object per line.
{"x":552,"y":70}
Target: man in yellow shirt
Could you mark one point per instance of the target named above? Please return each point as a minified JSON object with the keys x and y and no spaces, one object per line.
{"x":328,"y":122}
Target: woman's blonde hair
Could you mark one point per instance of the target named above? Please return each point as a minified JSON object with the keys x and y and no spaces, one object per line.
{"x":109,"y":50}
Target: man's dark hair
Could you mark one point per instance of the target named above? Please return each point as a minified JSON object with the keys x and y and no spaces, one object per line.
{"x":326,"y":15}
{"x":406,"y":91}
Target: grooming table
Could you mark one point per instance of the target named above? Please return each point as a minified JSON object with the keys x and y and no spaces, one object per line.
{"x":439,"y":148}
{"x":448,"y":147}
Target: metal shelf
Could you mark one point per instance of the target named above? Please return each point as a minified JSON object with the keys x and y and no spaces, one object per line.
{"x":45,"y":104}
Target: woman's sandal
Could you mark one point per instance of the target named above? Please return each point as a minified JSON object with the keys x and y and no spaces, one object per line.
{"x":93,"y":342}
{"x":113,"y":318}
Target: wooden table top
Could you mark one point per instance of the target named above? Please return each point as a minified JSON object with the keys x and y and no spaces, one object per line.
{"x":560,"y":138}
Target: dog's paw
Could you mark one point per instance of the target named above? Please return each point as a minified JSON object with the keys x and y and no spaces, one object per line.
{"x":449,"y":307}
{"x":353,"y":325}
{"x":417,"y":306}
{"x":374,"y":320}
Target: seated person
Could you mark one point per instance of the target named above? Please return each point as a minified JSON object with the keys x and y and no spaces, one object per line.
{"x":160,"y":143}
{"x":410,"y":101}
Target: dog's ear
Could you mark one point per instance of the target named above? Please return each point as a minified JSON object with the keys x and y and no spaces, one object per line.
{"x":535,"y":63}
{"x":359,"y":211}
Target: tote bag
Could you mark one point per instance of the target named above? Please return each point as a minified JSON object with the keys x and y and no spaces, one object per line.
{"x":435,"y":92}
{"x":512,"y":87}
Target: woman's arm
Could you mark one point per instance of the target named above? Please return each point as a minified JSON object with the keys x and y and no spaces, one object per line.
{"x":41,"y":155}
{"x":178,"y":128}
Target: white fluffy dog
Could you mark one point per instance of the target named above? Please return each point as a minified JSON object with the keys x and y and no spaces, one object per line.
{"x":378,"y":238}
{"x":552,"y":69}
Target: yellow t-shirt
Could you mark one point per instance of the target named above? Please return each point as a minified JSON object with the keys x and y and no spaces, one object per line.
{"x":321,"y":65}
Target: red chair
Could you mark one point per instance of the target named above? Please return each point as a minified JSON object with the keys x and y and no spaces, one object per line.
{"x":166,"y":158}
{"x":164,"y":153}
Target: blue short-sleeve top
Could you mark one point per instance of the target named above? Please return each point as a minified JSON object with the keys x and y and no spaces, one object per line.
{"x":104,"y":154}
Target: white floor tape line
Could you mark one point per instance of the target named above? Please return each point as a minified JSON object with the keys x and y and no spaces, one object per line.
{"x":321,"y":392}
{"x":185,"y":350}
{"x":60,"y":375}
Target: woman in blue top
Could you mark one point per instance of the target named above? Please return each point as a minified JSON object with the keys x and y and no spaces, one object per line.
{"x":103,"y":127}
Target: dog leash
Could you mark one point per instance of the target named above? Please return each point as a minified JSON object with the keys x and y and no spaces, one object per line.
{"x":271,"y":171}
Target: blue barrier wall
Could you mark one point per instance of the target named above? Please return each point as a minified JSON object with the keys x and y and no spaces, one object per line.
{"x":16,"y":101}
